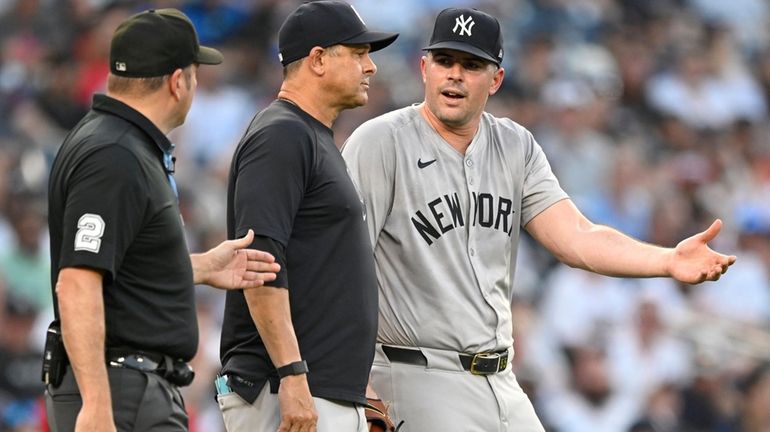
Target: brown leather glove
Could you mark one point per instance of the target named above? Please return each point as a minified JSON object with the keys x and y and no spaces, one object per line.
{"x":377,"y":417}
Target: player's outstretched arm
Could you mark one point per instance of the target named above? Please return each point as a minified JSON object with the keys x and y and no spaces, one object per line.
{"x":578,"y":242}
{"x":231,"y":266}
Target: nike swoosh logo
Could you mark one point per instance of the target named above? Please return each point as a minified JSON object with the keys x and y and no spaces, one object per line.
{"x":421,"y":164}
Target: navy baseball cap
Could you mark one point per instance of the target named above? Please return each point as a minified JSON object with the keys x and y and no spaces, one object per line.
{"x":468,"y":30}
{"x":323,"y":24}
{"x":156,"y":43}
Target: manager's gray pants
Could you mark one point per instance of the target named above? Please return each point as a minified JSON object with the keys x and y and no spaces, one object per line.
{"x":264,"y":415}
{"x":140,"y":402}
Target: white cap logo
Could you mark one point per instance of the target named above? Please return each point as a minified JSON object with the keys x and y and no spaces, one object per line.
{"x":120,"y":66}
{"x":465,"y":25}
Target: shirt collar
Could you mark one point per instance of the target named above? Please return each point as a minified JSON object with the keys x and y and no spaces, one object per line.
{"x":113,"y":106}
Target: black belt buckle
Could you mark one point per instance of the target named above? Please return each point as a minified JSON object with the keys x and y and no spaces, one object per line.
{"x":487,"y":363}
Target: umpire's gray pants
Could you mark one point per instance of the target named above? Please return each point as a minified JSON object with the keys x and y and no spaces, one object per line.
{"x":442,"y":396}
{"x":264,"y":415}
{"x":140,"y":402}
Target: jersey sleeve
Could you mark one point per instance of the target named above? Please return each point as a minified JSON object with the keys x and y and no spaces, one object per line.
{"x":105,"y":204}
{"x":370,"y":155}
{"x":541,"y":187}
{"x":273,"y":168}
{"x":276,"y":249}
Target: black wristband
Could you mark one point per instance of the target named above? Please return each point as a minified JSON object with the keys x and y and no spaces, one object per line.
{"x":296,"y":368}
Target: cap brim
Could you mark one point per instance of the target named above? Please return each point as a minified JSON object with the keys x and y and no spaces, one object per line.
{"x":376,"y":40}
{"x":209,"y":56}
{"x":464,"y":47}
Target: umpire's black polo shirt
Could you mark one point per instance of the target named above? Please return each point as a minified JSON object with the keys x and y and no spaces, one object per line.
{"x":112,"y":208}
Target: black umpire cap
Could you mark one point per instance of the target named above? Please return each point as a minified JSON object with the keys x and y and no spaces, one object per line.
{"x":468,"y":30}
{"x":323,"y":24}
{"x":156,"y":43}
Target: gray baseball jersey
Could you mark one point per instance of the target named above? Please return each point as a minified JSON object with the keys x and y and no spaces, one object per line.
{"x":445,"y":226}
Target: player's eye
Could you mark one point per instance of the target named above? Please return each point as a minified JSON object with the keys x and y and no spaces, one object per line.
{"x":473,"y":65}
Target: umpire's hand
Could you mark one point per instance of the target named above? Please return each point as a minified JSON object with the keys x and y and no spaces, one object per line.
{"x":231,"y":266}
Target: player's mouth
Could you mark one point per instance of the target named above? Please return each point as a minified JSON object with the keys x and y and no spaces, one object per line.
{"x":453,"y":94}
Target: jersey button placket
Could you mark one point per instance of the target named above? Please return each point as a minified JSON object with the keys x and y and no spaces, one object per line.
{"x":468,"y":171}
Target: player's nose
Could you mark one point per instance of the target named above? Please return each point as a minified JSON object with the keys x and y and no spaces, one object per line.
{"x":455,"y":72}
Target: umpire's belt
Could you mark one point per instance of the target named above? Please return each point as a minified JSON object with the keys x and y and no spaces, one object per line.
{"x":176,"y":372}
{"x":483,"y":363}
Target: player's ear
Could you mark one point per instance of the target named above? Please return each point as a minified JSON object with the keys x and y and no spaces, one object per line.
{"x":423,"y":65}
{"x":497,"y":80}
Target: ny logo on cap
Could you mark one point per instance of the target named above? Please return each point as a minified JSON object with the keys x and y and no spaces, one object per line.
{"x":120,"y":66}
{"x":465,"y":25}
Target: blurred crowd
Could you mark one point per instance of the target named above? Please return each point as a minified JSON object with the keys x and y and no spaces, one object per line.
{"x":654,"y":116}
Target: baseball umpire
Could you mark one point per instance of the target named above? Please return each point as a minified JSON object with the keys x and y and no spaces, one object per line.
{"x":296,"y":353}
{"x":122,"y":275}
{"x":447,"y":189}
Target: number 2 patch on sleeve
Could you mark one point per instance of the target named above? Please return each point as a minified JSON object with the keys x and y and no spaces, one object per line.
{"x":90,"y":231}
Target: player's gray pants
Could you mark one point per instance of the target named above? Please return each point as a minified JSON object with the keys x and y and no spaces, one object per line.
{"x":442,"y":396}
{"x":264,"y":414}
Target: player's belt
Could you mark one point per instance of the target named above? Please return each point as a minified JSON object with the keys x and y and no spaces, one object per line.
{"x":483,"y":363}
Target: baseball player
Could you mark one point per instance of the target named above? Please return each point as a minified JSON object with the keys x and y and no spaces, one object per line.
{"x":447,"y":188}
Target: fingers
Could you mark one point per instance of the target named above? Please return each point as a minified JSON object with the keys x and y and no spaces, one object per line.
{"x":258,"y":255}
{"x":261,"y":266}
{"x":712,"y":231}
{"x":255,"y":279}
{"x":307,"y":428}
{"x":261,"y":271}
{"x":296,"y":428}
{"x":244,"y":241}
{"x":718,"y":270}
{"x":298,"y":425}
{"x":259,"y":276}
{"x":725,"y":261}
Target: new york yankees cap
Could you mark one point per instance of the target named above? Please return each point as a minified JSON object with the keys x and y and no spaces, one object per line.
{"x":323,"y":24}
{"x":157,"y":42}
{"x":468,"y":30}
